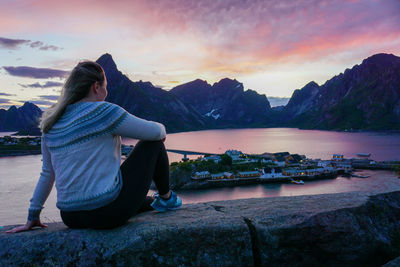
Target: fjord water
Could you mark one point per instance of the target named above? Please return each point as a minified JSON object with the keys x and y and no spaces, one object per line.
{"x":18,"y":175}
{"x":312,"y":143}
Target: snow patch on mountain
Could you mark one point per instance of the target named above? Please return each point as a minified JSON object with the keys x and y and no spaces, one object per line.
{"x":211,"y":114}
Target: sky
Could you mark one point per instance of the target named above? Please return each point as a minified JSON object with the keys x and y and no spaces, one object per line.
{"x":273,"y":47}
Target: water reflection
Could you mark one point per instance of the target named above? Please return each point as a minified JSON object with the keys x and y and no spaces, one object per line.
{"x":379,"y":181}
{"x":312,"y":143}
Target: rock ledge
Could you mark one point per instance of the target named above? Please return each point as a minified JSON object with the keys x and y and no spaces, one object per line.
{"x":345,"y":229}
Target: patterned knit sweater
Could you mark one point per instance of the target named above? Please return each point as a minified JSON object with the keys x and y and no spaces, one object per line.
{"x":82,"y":155}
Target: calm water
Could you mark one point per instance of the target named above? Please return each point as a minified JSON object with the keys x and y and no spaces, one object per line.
{"x":18,"y":175}
{"x":312,"y":143}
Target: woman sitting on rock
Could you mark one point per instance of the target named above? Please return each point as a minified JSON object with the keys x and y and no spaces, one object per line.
{"x":81,"y":149}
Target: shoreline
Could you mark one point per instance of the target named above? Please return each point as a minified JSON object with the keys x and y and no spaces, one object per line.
{"x":209,"y":184}
{"x":16,"y":153}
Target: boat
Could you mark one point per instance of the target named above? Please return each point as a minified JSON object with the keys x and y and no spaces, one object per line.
{"x":359,"y":176}
{"x":364,"y":155}
{"x":297,"y":181}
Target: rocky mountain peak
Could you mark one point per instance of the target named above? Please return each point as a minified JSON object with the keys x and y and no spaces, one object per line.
{"x":30,"y":107}
{"x":198,"y":83}
{"x":228,"y":84}
{"x":12,"y":109}
{"x":106,"y":61}
{"x":190,"y":87}
{"x":110,"y":68}
{"x":311,"y":84}
{"x":381,"y":59}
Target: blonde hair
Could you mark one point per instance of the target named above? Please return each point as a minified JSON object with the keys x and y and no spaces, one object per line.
{"x":76,"y":87}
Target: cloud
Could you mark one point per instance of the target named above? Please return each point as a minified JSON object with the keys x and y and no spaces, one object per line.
{"x":4,"y":101}
{"x":217,"y":37}
{"x":40,"y":45}
{"x":12,"y":43}
{"x":16,"y":43}
{"x":160,"y":86}
{"x":36,"y":73}
{"x":50,"y":47}
{"x":49,"y":97}
{"x":36,"y":44}
{"x":5,"y":94}
{"x":47,"y":84}
{"x":42,"y":102}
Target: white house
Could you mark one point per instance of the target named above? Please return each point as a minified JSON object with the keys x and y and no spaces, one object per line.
{"x":323,"y":163}
{"x":214,"y":158}
{"x":271,"y":173}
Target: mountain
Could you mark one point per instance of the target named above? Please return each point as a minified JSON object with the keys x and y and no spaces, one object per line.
{"x":24,"y":117}
{"x":226,"y":102}
{"x":302,"y":100}
{"x":365,"y":97}
{"x":149,"y":102}
{"x":192,"y":106}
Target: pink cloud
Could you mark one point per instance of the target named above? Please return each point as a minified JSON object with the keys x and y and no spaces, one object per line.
{"x":230,"y":36}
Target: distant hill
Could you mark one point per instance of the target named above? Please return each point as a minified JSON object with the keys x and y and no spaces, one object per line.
{"x":365,"y":97}
{"x":23,"y":118}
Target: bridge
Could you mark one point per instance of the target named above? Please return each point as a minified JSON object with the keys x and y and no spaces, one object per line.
{"x":185,"y":153}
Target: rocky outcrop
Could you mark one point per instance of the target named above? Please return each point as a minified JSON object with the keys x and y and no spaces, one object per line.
{"x":346,"y":229}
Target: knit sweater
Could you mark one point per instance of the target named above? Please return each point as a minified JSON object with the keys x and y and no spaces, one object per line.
{"x":82,"y":155}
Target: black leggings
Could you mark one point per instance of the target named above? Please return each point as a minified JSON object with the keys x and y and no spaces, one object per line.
{"x":148,"y":161}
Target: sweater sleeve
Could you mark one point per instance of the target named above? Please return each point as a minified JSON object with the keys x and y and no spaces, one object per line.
{"x":44,"y":185}
{"x":137,"y":128}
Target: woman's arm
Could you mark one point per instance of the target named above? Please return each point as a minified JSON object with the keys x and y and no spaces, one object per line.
{"x":134,"y":127}
{"x":41,"y":193}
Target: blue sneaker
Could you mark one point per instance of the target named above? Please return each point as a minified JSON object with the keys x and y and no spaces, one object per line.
{"x":163,"y":205}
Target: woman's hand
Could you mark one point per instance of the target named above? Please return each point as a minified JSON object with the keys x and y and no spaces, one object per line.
{"x":28,"y":226}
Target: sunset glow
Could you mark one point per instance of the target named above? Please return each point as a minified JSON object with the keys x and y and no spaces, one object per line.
{"x":272,"y":47}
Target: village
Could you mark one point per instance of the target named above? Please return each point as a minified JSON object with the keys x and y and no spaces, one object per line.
{"x":10,"y":141}
{"x":19,"y":146}
{"x":283,"y":167}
